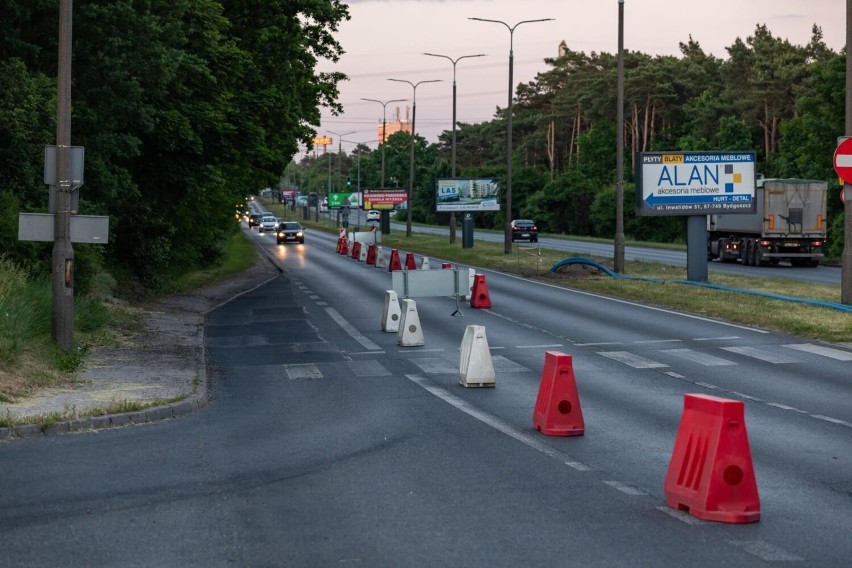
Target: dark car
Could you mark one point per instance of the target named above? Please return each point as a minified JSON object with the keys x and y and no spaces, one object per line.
{"x":290,"y":231}
{"x":254,"y":219}
{"x":524,"y":230}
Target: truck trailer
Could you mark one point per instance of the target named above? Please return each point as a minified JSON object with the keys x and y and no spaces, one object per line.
{"x":789,"y":224}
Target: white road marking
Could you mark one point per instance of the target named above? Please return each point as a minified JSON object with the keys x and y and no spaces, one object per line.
{"x":762,"y":355}
{"x":766,"y":551}
{"x":682,"y":516}
{"x":657,"y":341}
{"x":824,"y":351}
{"x":673,"y":374}
{"x":635,"y":361}
{"x":434,"y":366}
{"x":304,"y":371}
{"x":354,"y":333}
{"x":507,"y":365}
{"x":539,"y":346}
{"x":625,"y":488}
{"x":367,"y":368}
{"x":698,"y":357}
{"x":832,"y":420}
{"x":494,"y":422}
{"x":727,"y":338}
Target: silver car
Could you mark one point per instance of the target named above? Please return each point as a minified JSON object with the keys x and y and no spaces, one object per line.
{"x":267,"y":223}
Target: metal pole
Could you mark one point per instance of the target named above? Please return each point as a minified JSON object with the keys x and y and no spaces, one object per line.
{"x":339,"y":152}
{"x":619,"y":148}
{"x":846,"y":256}
{"x":384,"y":129}
{"x":410,"y":189}
{"x":62,"y":283}
{"x":453,"y":166}
{"x":507,"y":229}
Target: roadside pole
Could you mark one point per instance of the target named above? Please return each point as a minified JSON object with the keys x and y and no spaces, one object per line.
{"x":62,"y":311}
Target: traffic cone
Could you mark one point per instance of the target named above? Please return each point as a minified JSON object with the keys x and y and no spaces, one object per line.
{"x":711,"y":472}
{"x":410,"y":333}
{"x":395,"y":263}
{"x":371,"y":254}
{"x":409,"y":261}
{"x":479,"y":298}
{"x":424,"y":263}
{"x":557,"y":406}
{"x":356,"y":249}
{"x":475,"y":366}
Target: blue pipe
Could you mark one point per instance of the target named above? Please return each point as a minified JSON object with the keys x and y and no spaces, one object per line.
{"x":607,"y":271}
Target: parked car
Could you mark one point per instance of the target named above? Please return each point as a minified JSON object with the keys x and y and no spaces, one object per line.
{"x":374,"y":215}
{"x":290,"y":231}
{"x":254,"y":219}
{"x":267,"y":223}
{"x":524,"y":230}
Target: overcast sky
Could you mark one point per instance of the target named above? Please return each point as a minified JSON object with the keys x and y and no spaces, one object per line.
{"x":386,"y":39}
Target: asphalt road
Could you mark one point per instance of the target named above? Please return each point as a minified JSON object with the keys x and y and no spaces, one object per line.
{"x":327,"y":443}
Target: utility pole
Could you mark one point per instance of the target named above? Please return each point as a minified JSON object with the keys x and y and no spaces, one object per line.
{"x":62,"y":282}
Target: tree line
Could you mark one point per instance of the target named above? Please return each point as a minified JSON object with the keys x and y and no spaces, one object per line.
{"x":184,"y":107}
{"x":782,"y":101}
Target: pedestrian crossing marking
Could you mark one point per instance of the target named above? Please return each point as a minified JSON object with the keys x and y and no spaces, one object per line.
{"x":302,"y":371}
{"x":635,"y":361}
{"x":435,"y":366}
{"x":698,"y":357}
{"x":368,"y":368}
{"x":762,"y":354}
{"x":821,"y":350}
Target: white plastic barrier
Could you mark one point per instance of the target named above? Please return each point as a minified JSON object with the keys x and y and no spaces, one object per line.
{"x":410,"y":333}
{"x":475,"y":366}
{"x":391,"y":313}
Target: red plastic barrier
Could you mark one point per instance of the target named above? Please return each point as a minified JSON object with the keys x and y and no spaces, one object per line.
{"x":371,"y":254}
{"x":394,"y":263}
{"x":479,"y":297}
{"x":409,"y":261}
{"x":356,"y":250}
{"x":344,"y":246}
{"x":557,"y":407}
{"x":711,"y":472}
{"x":446,"y":265}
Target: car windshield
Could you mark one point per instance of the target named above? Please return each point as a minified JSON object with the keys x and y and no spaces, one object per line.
{"x":269,"y":219}
{"x":292,"y":226}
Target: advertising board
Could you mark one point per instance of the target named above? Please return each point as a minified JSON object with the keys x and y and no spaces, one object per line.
{"x":694,"y":183}
{"x":467,"y":194}
{"x":385,"y":199}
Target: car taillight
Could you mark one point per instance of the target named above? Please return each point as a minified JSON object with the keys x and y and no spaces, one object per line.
{"x":816,"y":243}
{"x":534,"y":228}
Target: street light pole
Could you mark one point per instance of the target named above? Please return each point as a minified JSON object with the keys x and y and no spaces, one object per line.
{"x":453,"y":174}
{"x":384,"y":131}
{"x":619,"y":148}
{"x":411,"y":166}
{"x":339,"y":151}
{"x":507,"y":230}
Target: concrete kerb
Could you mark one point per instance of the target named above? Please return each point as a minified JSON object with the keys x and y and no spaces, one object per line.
{"x":144,"y":416}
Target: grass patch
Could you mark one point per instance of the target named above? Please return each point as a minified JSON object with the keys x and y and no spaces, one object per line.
{"x":240,"y":254}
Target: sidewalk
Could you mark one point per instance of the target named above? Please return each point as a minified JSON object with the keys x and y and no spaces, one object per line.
{"x":165,"y":361}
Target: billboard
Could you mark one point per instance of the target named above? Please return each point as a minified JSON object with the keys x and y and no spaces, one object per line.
{"x":467,"y":194}
{"x":385,"y":199}
{"x":337,"y":200}
{"x":694,"y":183}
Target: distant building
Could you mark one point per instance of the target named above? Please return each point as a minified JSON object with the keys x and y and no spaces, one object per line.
{"x":394,"y":125}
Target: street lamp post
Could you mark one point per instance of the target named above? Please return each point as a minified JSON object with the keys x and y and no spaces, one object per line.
{"x":507,"y":230}
{"x":453,"y":174}
{"x":340,"y":136}
{"x":411,"y":166}
{"x":384,"y":131}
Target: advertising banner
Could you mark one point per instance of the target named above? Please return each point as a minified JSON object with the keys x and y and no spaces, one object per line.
{"x":467,"y":194}
{"x":694,"y":183}
{"x":385,"y":199}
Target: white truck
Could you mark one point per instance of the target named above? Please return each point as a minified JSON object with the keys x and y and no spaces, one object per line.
{"x":789,"y":224}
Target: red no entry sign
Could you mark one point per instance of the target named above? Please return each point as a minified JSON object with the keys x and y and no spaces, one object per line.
{"x":843,"y":160}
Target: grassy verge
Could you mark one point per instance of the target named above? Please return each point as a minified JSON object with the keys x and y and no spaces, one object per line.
{"x":662,"y":289}
{"x":29,"y":359}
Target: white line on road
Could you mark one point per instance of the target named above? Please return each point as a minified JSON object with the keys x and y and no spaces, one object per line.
{"x":499,"y":425}
{"x":350,"y":329}
{"x":766,"y":551}
{"x":824,"y":351}
{"x":635,"y":361}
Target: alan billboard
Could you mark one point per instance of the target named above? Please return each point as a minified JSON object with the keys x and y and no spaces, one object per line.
{"x":694,"y":183}
{"x":467,"y":194}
